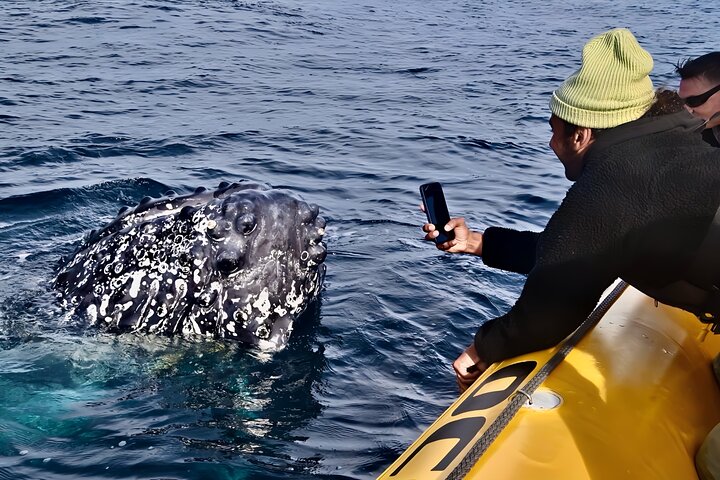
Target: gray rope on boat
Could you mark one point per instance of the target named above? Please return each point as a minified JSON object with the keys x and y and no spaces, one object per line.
{"x":517,"y":401}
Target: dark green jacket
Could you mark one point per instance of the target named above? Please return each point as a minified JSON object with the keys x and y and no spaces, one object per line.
{"x":639,"y":210}
{"x":711,"y":135}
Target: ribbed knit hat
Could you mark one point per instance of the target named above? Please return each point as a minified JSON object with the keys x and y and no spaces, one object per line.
{"x":611,"y":87}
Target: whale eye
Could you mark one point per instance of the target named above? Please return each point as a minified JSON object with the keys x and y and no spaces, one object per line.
{"x":246,"y":224}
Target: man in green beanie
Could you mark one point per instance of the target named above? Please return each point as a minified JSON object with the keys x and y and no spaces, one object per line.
{"x":646,"y":190}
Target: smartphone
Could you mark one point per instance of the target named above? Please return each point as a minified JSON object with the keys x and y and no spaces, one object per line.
{"x":436,"y":209}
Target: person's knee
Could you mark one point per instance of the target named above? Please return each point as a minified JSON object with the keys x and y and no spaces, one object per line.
{"x":707,"y":459}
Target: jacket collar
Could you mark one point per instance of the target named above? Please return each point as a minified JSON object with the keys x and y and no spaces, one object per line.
{"x":680,"y":121}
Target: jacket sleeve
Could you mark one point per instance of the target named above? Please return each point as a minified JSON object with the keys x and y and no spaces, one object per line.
{"x":510,"y":250}
{"x":575,"y":263}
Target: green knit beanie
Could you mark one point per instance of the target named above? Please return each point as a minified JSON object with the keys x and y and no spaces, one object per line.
{"x":611,"y":87}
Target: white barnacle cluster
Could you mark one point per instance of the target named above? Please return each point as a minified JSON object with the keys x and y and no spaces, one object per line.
{"x":137,"y":277}
{"x":277,"y":341}
{"x":201,"y":223}
{"x":295,"y":298}
{"x":262,"y":304}
{"x":206,"y":314}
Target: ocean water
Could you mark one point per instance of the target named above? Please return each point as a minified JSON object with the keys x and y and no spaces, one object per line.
{"x":351,"y":104}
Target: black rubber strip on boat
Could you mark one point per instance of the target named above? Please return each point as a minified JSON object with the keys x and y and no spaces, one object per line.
{"x":517,"y":401}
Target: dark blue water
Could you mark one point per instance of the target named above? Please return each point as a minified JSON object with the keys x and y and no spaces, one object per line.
{"x":352,"y":104}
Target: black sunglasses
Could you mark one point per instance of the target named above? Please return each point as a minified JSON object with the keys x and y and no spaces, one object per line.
{"x":697,"y":100}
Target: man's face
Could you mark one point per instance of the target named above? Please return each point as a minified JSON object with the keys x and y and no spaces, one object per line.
{"x":690,"y":87}
{"x":565,"y":147}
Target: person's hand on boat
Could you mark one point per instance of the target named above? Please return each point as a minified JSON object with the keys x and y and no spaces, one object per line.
{"x":468,"y":367}
{"x":465,"y":241}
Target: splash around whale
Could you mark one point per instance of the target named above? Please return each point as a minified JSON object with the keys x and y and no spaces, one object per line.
{"x":240,"y":262}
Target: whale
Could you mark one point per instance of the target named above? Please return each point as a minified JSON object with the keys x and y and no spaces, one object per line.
{"x":238,"y":262}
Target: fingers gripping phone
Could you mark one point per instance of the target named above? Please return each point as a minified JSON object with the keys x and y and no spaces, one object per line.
{"x":436,"y":209}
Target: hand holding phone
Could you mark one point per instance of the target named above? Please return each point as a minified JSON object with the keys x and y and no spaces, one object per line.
{"x":436,"y":210}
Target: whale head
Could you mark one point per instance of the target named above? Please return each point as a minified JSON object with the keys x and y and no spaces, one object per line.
{"x":240,"y":262}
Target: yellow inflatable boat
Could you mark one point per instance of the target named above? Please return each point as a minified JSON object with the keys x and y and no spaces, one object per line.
{"x":629,"y":395}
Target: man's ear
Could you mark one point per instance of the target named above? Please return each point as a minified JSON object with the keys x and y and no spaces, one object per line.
{"x":582,"y":139}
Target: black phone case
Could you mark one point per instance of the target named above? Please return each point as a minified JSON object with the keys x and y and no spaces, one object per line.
{"x":436,"y":209}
